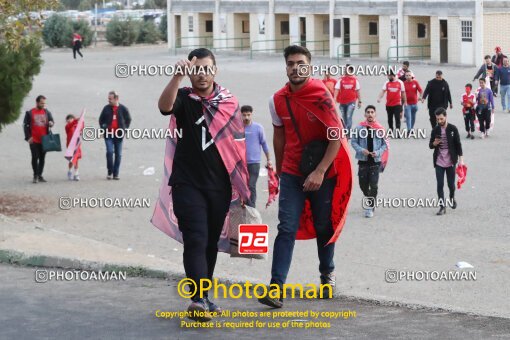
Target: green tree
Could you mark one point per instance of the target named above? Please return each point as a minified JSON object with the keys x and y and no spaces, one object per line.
{"x":121,"y":32}
{"x":149,"y":4}
{"x":57,"y":31}
{"x":20,"y":53}
{"x":85,"y":5}
{"x":163,"y":27}
{"x":82,"y":27}
{"x":149,"y":33}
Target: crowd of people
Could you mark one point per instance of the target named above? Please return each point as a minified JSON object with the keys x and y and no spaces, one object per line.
{"x":314,"y":171}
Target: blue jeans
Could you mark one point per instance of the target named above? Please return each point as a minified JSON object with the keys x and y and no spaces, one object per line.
{"x":504,"y":91}
{"x":347,"y":111}
{"x":291,"y":203}
{"x":113,"y":144}
{"x":410,"y":112}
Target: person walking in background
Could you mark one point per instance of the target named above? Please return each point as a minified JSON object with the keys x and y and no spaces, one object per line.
{"x":369,"y":147}
{"x":114,"y":116}
{"x":445,"y":141}
{"x":468,"y":102}
{"x":329,"y":82}
{"x":71,"y":124}
{"x":255,"y":139}
{"x":395,"y":97}
{"x":37,"y":123}
{"x":498,"y":57}
{"x":413,"y":95}
{"x":503,"y":78}
{"x":347,"y":93}
{"x":484,"y":108}
{"x":438,"y":95}
{"x":401,"y":73}
{"x":488,"y":70}
{"x":77,"y":43}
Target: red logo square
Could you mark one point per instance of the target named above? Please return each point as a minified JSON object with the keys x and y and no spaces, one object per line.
{"x":253,"y":238}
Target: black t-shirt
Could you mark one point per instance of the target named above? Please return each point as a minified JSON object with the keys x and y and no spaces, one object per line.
{"x":370,"y":148}
{"x":196,"y":160}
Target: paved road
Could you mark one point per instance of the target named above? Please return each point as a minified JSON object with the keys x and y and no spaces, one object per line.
{"x":126,"y":310}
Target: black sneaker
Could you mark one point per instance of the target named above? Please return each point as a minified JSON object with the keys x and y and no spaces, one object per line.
{"x":116,"y":178}
{"x":271,"y":302}
{"x":41,"y":179}
{"x":328,"y":279}
{"x":213,"y":308}
{"x":442,"y":211}
{"x":199,"y":311}
{"x":35,"y":180}
{"x":454,"y":203}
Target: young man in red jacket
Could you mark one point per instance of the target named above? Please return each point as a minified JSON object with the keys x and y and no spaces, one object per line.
{"x":36,"y":124}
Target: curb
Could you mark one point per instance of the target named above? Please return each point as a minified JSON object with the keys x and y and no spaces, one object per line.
{"x":19,"y":258}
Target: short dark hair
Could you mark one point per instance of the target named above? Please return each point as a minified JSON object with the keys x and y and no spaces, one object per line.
{"x":39,"y":97}
{"x":295,"y":49}
{"x":469,"y":85}
{"x":439,"y":73}
{"x":405,"y":63}
{"x":369,"y":107}
{"x":482,"y":79}
{"x":391,"y":73}
{"x":70,"y":116}
{"x":246,"y":108}
{"x":202,"y":53}
{"x":487,"y":57}
{"x":440,"y":111}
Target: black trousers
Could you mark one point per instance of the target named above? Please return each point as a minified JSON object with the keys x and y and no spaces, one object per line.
{"x":450,"y":179}
{"x":432,"y":116}
{"x":76,"y":49}
{"x":253,"y":171}
{"x":38,"y":156}
{"x":394,"y":112}
{"x":200,"y":215}
{"x":469,"y":121}
{"x":368,"y":180}
{"x":484,"y":118}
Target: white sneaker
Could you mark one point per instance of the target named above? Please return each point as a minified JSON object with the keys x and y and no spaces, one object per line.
{"x":76,"y":177}
{"x":370,"y":213}
{"x":482,"y":135}
{"x":70,"y":175}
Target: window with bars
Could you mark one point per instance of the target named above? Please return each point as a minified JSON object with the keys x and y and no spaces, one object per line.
{"x":394,"y":29}
{"x":422,"y":31}
{"x":190,"y":23}
{"x":466,"y":29}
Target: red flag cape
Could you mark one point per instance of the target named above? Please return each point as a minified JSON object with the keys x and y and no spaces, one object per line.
{"x":461,"y":173}
{"x":73,"y":151}
{"x":386,"y":154}
{"x":272,"y":184}
{"x":319,"y":101}
{"x":222,"y":115}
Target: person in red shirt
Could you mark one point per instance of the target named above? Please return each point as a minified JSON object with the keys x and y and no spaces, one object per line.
{"x":36,"y":124}
{"x":77,"y":42}
{"x":303,"y":112}
{"x":395,"y":96}
{"x":347,"y":93}
{"x":329,"y":82}
{"x":468,"y":102}
{"x":71,"y":124}
{"x":413,"y":95}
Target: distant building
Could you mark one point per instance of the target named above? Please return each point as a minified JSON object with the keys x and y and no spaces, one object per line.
{"x":453,"y":31}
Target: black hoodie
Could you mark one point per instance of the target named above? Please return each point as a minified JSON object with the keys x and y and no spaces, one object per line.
{"x":438,"y":93}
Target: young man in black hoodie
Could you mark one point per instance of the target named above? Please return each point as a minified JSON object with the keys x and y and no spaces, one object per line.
{"x":438,"y":93}
{"x":445,"y":140}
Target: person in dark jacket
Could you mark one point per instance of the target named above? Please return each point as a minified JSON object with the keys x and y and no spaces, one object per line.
{"x":438,"y":93}
{"x":498,"y":57}
{"x":445,"y":140}
{"x":114,"y":119}
{"x":37,"y":124}
{"x":488,"y":69}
